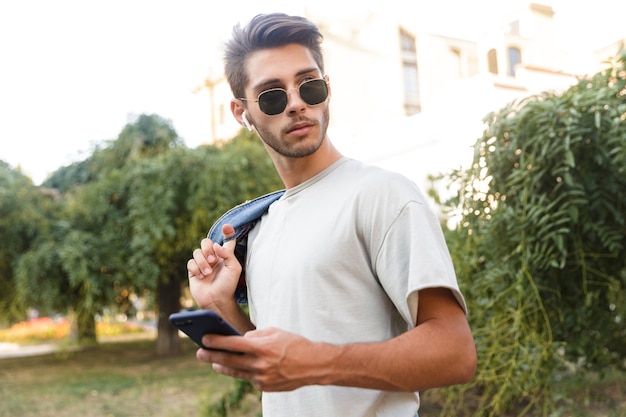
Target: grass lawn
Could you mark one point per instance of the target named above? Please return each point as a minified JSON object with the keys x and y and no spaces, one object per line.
{"x":122,"y":379}
{"x":127,"y":379}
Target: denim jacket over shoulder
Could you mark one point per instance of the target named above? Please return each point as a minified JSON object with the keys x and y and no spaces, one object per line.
{"x":242,"y":218}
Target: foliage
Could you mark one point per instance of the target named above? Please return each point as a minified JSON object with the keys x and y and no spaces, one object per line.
{"x":127,"y":218}
{"x":24,"y":211}
{"x":83,"y":262}
{"x":147,"y":136}
{"x":66,"y":178}
{"x":232,"y":403}
{"x":540,"y":250}
{"x":173,"y":198}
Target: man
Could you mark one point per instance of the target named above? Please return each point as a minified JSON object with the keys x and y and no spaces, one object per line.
{"x":354,"y":304}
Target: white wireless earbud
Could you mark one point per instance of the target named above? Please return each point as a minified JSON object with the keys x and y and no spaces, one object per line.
{"x":246,"y":122}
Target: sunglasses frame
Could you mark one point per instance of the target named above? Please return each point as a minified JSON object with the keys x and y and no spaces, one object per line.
{"x":298,"y":88}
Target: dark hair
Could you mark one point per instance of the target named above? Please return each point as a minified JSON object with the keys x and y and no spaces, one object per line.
{"x":267,"y":31}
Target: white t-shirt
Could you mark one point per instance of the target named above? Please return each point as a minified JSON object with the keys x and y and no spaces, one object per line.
{"x":340,"y":259}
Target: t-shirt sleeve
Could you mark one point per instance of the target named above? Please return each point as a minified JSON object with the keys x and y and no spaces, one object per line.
{"x":414,"y":256}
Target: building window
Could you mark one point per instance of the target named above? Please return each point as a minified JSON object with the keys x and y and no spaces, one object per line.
{"x":410,"y":73}
{"x":492,"y":61}
{"x":515,"y":58}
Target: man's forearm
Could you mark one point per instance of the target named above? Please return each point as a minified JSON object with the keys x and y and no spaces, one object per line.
{"x":429,"y":356}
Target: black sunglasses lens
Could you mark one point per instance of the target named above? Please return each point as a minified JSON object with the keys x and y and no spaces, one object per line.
{"x":314,"y":92}
{"x":273,"y":102}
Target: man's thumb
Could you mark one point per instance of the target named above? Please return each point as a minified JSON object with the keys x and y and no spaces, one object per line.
{"x":228,"y":247}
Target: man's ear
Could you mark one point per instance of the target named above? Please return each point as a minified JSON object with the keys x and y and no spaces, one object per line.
{"x":239,"y":112}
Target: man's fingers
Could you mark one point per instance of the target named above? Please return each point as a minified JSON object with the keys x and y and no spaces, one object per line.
{"x":192,"y":268}
{"x":207,"y":249}
{"x":198,"y":266}
{"x":203,"y":261}
{"x":207,"y":256}
{"x":229,"y":242}
{"x":228,"y":232}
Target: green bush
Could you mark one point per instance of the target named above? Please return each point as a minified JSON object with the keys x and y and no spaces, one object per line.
{"x":243,"y":398}
{"x":540,"y":249}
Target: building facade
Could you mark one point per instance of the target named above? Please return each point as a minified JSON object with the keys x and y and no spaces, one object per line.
{"x":414,"y":101}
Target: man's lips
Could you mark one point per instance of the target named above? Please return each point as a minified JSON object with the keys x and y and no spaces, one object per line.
{"x":299,"y":128}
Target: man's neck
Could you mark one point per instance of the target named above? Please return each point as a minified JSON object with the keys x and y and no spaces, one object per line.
{"x":295,"y":171}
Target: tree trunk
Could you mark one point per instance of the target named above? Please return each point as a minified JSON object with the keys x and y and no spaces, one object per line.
{"x":168,"y":293}
{"x":83,"y":327}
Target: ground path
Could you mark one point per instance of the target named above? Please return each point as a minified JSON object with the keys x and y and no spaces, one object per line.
{"x":15,"y":350}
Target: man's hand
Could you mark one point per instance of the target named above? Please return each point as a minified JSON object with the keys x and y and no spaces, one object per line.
{"x":272,"y":359}
{"x":214,"y":272}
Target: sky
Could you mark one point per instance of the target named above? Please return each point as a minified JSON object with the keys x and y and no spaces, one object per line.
{"x":74,"y":72}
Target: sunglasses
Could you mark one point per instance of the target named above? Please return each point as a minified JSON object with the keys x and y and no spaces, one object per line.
{"x":274,"y":100}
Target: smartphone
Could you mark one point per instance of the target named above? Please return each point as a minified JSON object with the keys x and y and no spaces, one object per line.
{"x":197,"y":323}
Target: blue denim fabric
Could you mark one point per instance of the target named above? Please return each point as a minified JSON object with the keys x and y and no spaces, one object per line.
{"x":243,"y":218}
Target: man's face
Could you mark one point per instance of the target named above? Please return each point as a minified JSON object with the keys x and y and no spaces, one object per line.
{"x":300,"y":129}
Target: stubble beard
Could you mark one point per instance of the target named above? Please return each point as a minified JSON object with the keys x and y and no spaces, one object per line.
{"x":298,"y":150}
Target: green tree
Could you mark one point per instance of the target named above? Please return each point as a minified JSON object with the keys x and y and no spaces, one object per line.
{"x":74,"y":267}
{"x":132,"y":214}
{"x":540,"y":249}
{"x":65,"y":178}
{"x":174,"y":200}
{"x":82,"y":261}
{"x":24,"y":211}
